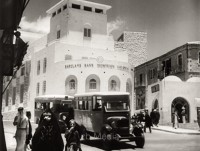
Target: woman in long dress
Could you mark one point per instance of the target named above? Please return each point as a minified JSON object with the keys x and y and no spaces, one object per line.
{"x":22,"y":130}
{"x":47,"y":136}
{"x":176,"y":118}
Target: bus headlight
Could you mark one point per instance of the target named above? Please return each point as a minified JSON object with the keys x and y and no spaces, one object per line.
{"x":108,"y":128}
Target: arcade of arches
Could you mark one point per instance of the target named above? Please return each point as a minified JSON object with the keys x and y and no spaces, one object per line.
{"x":180,"y":105}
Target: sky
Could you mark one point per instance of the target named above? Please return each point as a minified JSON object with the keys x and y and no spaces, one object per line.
{"x":168,"y":23}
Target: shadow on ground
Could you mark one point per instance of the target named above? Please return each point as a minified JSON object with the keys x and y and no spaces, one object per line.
{"x":113,"y":146}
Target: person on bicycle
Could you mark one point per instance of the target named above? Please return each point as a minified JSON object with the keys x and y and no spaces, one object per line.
{"x":72,"y":136}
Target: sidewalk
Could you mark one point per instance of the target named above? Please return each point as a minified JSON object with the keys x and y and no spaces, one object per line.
{"x":176,"y":131}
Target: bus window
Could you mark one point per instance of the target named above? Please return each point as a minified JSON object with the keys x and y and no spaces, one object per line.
{"x":80,"y":105}
{"x":38,"y":105}
{"x":97,"y":104}
{"x":51,"y":104}
{"x":89,"y":105}
{"x":86,"y":105}
{"x":116,"y":105}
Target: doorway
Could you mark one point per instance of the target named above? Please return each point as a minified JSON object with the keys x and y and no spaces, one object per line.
{"x":180,"y":104}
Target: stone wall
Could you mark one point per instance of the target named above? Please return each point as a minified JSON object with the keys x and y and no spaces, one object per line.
{"x":135,"y":43}
{"x":10,"y":111}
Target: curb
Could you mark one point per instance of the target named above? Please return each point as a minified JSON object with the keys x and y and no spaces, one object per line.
{"x":176,"y":132}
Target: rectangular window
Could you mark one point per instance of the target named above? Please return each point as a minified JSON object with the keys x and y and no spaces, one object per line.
{"x":44,"y":65}
{"x":7,"y":97}
{"x":21,"y":93}
{"x":154,"y":73}
{"x":87,"y":8}
{"x":93,"y":85}
{"x":65,"y":7}
{"x":38,"y":67}
{"x":13,"y":95}
{"x":72,"y":85}
{"x":44,"y":87}
{"x":87,"y":32}
{"x":76,"y":6}
{"x":141,"y":79}
{"x":38,"y":89}
{"x":59,"y":11}
{"x":98,"y":11}
{"x":180,"y":60}
{"x":54,"y":14}
{"x":58,"y":34}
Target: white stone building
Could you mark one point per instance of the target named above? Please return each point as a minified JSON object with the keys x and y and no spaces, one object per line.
{"x":79,"y":56}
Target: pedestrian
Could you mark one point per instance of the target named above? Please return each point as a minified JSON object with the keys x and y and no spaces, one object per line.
{"x":198,"y":117}
{"x":22,"y":131}
{"x":148,"y":121}
{"x":157,"y":117}
{"x":175,"y":119}
{"x":141,"y":117}
{"x":28,"y":145}
{"x":47,"y":136}
{"x":153,"y":116}
{"x":183,"y":114}
{"x":72,"y":136}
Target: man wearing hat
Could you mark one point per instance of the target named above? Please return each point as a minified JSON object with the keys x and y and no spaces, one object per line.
{"x":22,"y":124}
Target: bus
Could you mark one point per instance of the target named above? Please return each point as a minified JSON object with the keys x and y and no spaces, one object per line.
{"x":61,"y":106}
{"x":106,"y":115}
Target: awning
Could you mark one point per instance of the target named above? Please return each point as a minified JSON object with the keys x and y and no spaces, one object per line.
{"x":54,"y":98}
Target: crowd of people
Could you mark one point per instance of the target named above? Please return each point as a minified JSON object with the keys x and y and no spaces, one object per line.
{"x":147,"y":120}
{"x":47,"y":136}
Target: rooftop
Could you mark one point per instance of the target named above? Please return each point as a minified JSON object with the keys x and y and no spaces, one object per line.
{"x":79,"y":2}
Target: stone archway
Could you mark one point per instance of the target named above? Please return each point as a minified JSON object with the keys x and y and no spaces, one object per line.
{"x":180,"y":104}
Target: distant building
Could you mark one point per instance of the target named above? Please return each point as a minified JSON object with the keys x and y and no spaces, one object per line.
{"x":170,"y":82}
{"x":79,"y":56}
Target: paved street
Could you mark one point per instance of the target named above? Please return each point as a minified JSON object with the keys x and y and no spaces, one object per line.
{"x":156,"y":141}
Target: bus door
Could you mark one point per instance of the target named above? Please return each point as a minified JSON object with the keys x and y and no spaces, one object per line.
{"x":97,"y":114}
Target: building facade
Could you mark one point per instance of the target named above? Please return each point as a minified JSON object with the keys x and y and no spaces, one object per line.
{"x":170,"y":82}
{"x":79,"y":56}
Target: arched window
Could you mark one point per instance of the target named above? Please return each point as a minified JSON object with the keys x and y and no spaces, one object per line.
{"x":93,"y":84}
{"x":127,"y":87}
{"x":72,"y":84}
{"x":113,"y":85}
{"x":87,"y":31}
